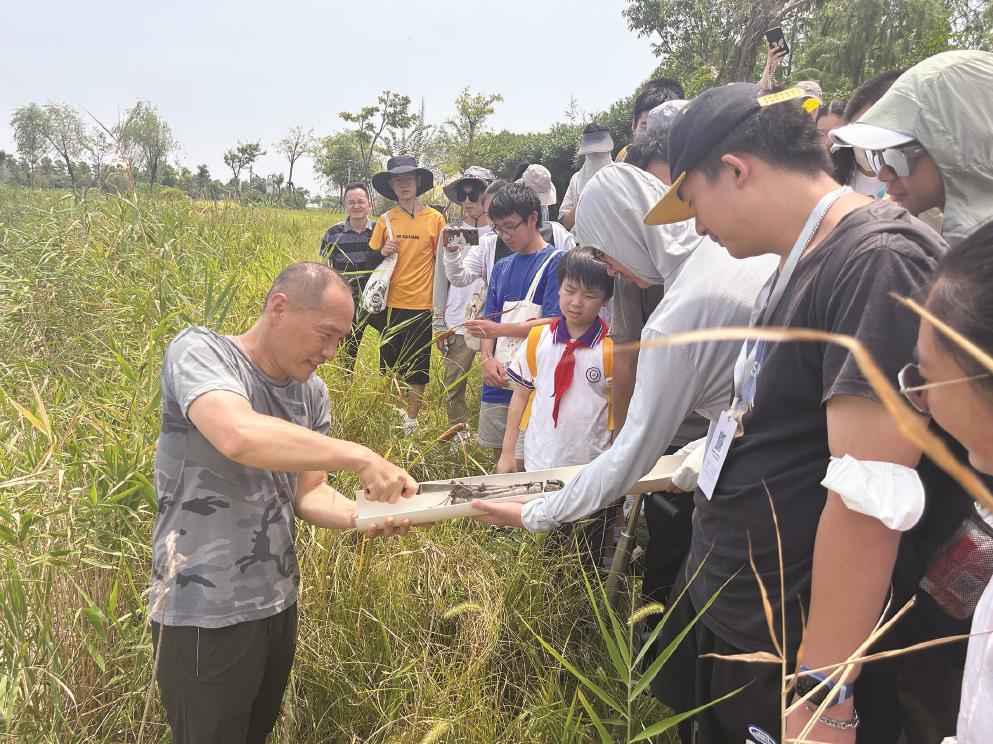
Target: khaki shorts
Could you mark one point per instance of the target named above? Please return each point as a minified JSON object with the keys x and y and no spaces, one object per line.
{"x":493,"y":425}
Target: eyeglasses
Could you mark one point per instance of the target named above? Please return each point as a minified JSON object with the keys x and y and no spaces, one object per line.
{"x":470,"y":194}
{"x":356,"y":203}
{"x":899,"y":159}
{"x":914,"y":387}
{"x":505,"y":231}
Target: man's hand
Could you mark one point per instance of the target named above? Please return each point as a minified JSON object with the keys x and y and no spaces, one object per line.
{"x":389,"y":529}
{"x":507,"y":462}
{"x":390,"y":248}
{"x":384,"y":481}
{"x":494,"y":374}
{"x":442,"y":344}
{"x":499,"y":514}
{"x":483,"y":328}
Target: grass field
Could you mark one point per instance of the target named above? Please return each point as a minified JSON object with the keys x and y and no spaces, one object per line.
{"x":428,"y":638}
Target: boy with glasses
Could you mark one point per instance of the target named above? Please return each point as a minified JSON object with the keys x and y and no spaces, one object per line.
{"x":449,"y":301}
{"x":927,"y":139}
{"x":345,"y":246}
{"x":413,"y":236}
{"x":522,"y":293}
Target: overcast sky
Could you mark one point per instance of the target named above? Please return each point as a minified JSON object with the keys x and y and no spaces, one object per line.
{"x":222,"y":71}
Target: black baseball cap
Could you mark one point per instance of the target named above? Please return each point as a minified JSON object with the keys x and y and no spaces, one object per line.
{"x":696,"y":128}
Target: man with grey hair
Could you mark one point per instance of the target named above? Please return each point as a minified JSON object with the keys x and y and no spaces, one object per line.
{"x":243,"y":451}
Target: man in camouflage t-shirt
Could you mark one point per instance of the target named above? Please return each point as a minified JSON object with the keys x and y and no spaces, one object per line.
{"x":243,"y":451}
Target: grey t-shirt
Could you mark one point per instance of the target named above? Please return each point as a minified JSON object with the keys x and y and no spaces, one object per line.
{"x":233,"y":558}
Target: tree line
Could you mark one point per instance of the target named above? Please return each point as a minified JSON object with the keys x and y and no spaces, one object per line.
{"x":840,"y":43}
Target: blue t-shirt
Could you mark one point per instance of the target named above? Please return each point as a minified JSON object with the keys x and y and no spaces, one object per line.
{"x":509,"y":282}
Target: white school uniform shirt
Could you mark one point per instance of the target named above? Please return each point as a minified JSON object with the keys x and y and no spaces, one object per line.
{"x":581,"y":433}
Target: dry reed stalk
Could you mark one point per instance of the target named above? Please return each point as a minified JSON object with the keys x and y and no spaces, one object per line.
{"x":173,"y":564}
{"x":912,"y":425}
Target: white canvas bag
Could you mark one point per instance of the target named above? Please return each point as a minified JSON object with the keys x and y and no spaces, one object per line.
{"x":374,"y":295}
{"x":519,"y":311}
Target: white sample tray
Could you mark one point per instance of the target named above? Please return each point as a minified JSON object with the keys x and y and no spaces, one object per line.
{"x":433,"y":506}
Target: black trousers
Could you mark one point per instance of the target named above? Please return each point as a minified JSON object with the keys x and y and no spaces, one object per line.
{"x":348,"y":349}
{"x":687,"y":681}
{"x":225,"y":685}
{"x":669,"y":517}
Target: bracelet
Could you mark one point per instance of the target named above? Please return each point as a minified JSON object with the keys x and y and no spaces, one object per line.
{"x":852,"y":723}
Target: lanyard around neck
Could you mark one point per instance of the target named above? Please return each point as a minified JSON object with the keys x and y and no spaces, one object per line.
{"x":750,"y":358}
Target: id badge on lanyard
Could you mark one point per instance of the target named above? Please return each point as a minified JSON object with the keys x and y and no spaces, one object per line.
{"x":749,"y":364}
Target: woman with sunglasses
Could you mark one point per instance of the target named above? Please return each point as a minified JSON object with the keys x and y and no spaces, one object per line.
{"x":928,"y":139}
{"x":956,"y":389}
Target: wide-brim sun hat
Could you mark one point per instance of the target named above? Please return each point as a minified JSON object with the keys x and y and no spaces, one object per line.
{"x":539,"y":178}
{"x":474,"y":175}
{"x":396,"y":166}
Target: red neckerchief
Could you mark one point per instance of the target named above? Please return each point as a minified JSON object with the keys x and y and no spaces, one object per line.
{"x":567,"y":364}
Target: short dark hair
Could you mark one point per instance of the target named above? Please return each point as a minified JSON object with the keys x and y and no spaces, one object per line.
{"x":655,"y":93}
{"x":842,"y":159}
{"x":356,"y":185}
{"x":961,"y":295}
{"x":304,"y":284}
{"x":595,"y":127}
{"x":494,"y":187}
{"x":516,"y":198}
{"x":579,"y":266}
{"x":650,"y":147}
{"x":832,"y":108}
{"x":783,"y":135}
{"x":870,"y":91}
{"x":519,"y":170}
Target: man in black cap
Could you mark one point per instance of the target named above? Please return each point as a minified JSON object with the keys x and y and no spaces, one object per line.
{"x":410,"y":231}
{"x":805,"y":433}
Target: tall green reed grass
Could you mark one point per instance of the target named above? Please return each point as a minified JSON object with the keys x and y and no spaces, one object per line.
{"x":430,"y":637}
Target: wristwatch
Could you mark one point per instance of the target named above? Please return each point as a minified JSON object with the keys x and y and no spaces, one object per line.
{"x":831,"y":689}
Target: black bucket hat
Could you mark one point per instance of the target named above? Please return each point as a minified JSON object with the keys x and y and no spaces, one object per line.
{"x":396,"y":166}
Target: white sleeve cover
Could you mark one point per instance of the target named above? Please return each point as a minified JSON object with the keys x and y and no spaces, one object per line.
{"x":464,"y":270}
{"x":666,"y":391}
{"x":891,"y":493}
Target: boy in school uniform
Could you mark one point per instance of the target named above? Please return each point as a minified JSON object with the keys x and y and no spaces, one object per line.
{"x":522,"y":293}
{"x":561,"y":375}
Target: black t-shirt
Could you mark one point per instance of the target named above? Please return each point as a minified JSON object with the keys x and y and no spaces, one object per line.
{"x":842,"y":286}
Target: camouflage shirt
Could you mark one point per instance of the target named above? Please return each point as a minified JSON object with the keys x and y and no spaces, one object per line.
{"x":232,"y":525}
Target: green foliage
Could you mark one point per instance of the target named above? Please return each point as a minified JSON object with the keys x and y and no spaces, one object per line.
{"x":392,"y":111}
{"x":840,"y":43}
{"x":297,"y":143}
{"x":403,"y":640}
{"x":461,"y":134}
{"x":145,"y":139}
{"x":338,"y":158}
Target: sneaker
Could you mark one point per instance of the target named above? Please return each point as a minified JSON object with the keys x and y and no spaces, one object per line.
{"x":408,"y":425}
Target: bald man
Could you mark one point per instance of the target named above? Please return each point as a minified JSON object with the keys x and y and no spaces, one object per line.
{"x":244,"y":450}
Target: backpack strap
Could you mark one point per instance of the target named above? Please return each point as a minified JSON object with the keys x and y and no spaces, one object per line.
{"x":531,"y":354}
